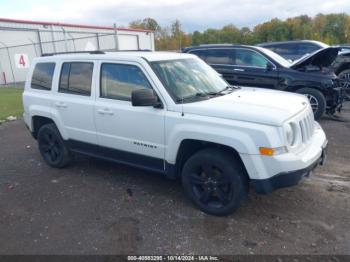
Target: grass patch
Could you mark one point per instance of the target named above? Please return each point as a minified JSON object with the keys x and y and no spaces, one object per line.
{"x":10,"y":102}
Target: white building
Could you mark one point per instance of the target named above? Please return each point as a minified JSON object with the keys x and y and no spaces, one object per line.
{"x":21,"y":41}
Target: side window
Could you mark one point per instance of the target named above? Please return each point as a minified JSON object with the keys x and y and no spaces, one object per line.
{"x":119,"y":80}
{"x":76,"y":78}
{"x":305,"y":48}
{"x":42,"y":76}
{"x":286,"y":49}
{"x":199,"y":53}
{"x":271,"y":47}
{"x":219,"y":56}
{"x":245,"y":57}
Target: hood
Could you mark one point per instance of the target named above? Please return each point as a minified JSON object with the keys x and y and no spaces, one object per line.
{"x":321,"y":58}
{"x":258,"y":105}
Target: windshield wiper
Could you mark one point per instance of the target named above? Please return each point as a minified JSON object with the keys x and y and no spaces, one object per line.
{"x":199,"y":94}
{"x":227,"y":88}
{"x":230,"y":88}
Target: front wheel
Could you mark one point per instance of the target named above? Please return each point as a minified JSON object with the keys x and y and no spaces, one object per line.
{"x":317,"y":101}
{"x":215,"y":181}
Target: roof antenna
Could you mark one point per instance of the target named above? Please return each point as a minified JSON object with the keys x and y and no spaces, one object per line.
{"x":182,"y":105}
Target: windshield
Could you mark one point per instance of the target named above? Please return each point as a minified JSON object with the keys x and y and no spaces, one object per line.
{"x":188,"y":78}
{"x":279,"y":59}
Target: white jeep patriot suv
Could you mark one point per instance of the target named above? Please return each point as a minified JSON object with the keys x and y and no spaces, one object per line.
{"x":173,"y":114}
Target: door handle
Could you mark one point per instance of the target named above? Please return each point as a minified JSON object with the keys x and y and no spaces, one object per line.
{"x":238,"y":69}
{"x":61,"y":105}
{"x":105,"y":111}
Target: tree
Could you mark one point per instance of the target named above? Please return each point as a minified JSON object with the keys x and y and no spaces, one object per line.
{"x":330,"y":28}
{"x":176,"y":33}
{"x":146,"y":23}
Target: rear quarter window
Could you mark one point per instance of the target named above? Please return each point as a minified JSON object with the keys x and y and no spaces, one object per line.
{"x":42,"y":76}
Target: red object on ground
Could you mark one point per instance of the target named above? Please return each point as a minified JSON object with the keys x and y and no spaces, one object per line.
{"x":4,"y":76}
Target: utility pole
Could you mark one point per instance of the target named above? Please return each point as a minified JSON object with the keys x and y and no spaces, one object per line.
{"x":116,"y":37}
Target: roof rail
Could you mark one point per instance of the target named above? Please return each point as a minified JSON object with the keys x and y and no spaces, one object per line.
{"x":97,"y":52}
{"x":223,"y":44}
{"x":134,"y":50}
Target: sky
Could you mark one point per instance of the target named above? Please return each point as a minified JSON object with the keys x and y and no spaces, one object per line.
{"x":193,"y":14}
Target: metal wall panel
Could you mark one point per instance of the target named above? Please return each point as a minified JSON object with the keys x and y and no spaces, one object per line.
{"x":128,"y":42}
{"x":35,"y":39}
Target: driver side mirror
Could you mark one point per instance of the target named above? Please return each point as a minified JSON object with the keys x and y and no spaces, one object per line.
{"x":145,"y":97}
{"x":269,"y":66}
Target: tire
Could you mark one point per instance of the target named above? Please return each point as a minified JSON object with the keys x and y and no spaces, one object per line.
{"x":215,"y":181}
{"x":316,"y":99}
{"x":52,"y":147}
{"x":345,"y":75}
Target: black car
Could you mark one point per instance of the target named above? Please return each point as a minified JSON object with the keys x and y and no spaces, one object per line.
{"x":293,"y":50}
{"x":259,"y":67}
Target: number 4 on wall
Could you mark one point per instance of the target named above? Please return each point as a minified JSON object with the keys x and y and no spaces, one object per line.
{"x":21,"y":60}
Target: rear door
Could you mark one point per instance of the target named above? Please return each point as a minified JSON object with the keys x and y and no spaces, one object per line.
{"x":74,"y":101}
{"x":250,"y":69}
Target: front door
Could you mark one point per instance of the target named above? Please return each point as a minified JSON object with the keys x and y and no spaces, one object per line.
{"x":132,"y":135}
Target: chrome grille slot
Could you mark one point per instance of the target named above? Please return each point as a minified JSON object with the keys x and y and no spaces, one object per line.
{"x":311,"y":119}
{"x":306,"y":125}
{"x":302,"y":128}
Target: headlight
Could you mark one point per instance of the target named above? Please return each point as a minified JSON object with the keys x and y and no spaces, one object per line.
{"x":290,"y":134}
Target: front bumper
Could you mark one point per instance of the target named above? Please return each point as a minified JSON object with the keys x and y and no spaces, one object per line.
{"x":335,"y":100}
{"x":287,"y":179}
{"x":269,"y":173}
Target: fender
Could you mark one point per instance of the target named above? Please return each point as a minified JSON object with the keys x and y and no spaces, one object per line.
{"x":55,"y":116}
{"x":38,"y":110}
{"x":46,"y":111}
{"x":242,"y":141}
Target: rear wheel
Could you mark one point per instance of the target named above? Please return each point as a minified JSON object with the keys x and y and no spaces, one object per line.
{"x":317,"y":101}
{"x":215,"y":181}
{"x":52,"y":147}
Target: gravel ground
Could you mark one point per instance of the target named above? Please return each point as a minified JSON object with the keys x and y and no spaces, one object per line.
{"x":97,"y":207}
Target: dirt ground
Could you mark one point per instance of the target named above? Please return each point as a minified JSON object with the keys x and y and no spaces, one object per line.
{"x":97,"y":207}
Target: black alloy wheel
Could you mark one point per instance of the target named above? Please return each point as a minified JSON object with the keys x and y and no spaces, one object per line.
{"x":214,"y":181}
{"x":52,"y":147}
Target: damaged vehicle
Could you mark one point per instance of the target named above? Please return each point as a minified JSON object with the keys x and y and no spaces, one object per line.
{"x":254,"y":66}
{"x":294,"y":50}
{"x":341,"y":67}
